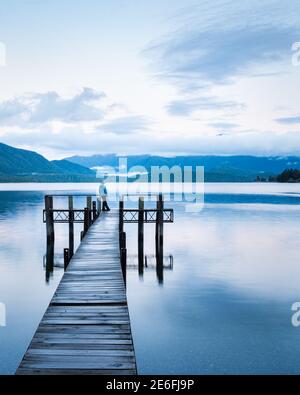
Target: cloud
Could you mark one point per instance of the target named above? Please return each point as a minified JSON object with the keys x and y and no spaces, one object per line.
{"x":73,"y":140}
{"x":211,"y":46}
{"x":223,"y":125}
{"x":87,"y":121}
{"x":125,"y":125}
{"x":289,"y":120}
{"x":81,"y":107}
{"x":12,"y":112}
{"x":218,"y":43}
{"x":186,"y":107}
{"x":39,"y":108}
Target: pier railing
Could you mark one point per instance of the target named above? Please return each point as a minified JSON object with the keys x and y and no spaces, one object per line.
{"x":89,"y":214}
{"x":149,"y":216}
{"x":158,"y":216}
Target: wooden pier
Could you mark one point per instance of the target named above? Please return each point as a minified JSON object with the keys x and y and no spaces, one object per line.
{"x":86,"y":328}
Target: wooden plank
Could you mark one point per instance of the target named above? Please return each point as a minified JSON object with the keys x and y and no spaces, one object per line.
{"x":75,"y":329}
{"x":86,"y":328}
{"x":72,"y":372}
{"x":94,"y":353}
{"x":75,"y":363}
{"x":80,"y":345}
{"x":85,"y":336}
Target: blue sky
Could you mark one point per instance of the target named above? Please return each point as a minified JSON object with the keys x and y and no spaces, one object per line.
{"x":163,"y":77}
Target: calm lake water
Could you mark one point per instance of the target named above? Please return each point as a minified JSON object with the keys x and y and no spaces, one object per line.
{"x":223,"y":303}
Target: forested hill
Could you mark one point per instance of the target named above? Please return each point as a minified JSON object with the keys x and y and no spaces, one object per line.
{"x":22,"y":165}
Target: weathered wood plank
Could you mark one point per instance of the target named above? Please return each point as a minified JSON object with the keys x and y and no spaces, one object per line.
{"x":81,"y":352}
{"x":75,"y":363}
{"x":86,"y":328}
{"x":80,"y":346}
{"x":72,"y":372}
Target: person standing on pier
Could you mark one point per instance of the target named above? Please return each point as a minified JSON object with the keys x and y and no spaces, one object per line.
{"x":103,"y":195}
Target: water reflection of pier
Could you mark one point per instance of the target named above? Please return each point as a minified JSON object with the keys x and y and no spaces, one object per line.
{"x":52,"y":262}
{"x":150,"y":263}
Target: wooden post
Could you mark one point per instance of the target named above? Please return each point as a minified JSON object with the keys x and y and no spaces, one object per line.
{"x":161,"y":224}
{"x":98,"y":206}
{"x":160,"y":269}
{"x":159,"y":236}
{"x":141,"y":235}
{"x":94,"y":211}
{"x":71,"y":226}
{"x":66,"y":258}
{"x":50,"y":236}
{"x":89,"y":202}
{"x":121,"y":213}
{"x":121,"y":220}
{"x":160,"y":239}
{"x":49,"y":219}
{"x":156,"y":228}
{"x":86,"y":220}
{"x":89,"y":205}
{"x":124,"y":263}
{"x":49,"y":260}
{"x":123,"y":240}
{"x":81,"y":235}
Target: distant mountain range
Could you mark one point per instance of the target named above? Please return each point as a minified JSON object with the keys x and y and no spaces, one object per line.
{"x":18,"y":165}
{"x":217,"y":168}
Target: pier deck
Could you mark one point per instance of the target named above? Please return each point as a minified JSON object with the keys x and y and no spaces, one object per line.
{"x":86,"y":328}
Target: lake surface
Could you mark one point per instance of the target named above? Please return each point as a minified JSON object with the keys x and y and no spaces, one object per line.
{"x":223,"y":303}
